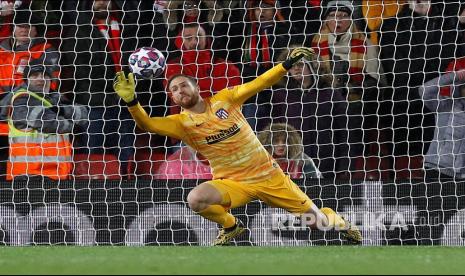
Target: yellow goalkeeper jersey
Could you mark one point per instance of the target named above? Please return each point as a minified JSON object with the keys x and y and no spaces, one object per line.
{"x":221,"y":133}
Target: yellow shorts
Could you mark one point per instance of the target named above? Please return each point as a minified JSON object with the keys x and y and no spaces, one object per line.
{"x":279,"y":191}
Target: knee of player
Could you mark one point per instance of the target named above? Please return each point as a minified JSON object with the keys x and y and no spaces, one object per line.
{"x":196,"y":201}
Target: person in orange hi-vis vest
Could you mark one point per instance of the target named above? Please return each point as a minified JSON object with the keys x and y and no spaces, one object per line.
{"x":24,"y":44}
{"x":39,"y":127}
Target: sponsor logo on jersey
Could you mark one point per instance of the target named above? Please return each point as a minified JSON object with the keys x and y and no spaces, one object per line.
{"x":223,"y":135}
{"x":222,"y":114}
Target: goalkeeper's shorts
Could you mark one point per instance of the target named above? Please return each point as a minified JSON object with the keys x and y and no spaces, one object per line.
{"x":279,"y":191}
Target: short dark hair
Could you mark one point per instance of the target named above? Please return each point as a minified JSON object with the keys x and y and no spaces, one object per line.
{"x":37,"y":66}
{"x":194,"y":25}
{"x":191,"y":25}
{"x":190,"y":78}
{"x":28,"y":17}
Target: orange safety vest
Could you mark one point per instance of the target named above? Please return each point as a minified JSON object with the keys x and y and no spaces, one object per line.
{"x":13,"y":64}
{"x":33,"y":153}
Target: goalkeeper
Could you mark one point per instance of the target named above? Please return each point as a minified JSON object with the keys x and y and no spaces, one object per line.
{"x":243,"y":170}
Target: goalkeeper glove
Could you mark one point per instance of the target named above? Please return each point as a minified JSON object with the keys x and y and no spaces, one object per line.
{"x":297,"y":54}
{"x":125,"y":88}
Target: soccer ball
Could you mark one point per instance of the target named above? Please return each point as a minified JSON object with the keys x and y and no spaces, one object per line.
{"x":147,"y":63}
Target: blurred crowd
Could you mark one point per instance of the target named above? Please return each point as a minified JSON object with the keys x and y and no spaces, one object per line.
{"x":383,"y":98}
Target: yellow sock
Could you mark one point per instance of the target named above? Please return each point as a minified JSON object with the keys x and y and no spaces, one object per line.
{"x":218,"y":214}
{"x":334,"y":219}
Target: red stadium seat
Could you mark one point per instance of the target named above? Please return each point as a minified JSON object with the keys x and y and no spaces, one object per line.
{"x":368,"y":168}
{"x":147,"y":162}
{"x":409,"y":167}
{"x":376,"y":165}
{"x":96,"y":166}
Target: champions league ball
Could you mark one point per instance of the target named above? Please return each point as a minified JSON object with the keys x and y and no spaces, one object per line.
{"x":147,"y":63}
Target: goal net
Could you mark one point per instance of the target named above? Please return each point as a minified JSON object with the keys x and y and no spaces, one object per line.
{"x":372,"y":126}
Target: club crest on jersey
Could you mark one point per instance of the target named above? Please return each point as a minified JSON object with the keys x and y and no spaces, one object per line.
{"x":222,"y":114}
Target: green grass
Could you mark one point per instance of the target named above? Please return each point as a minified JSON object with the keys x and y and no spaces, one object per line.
{"x":232,"y":260}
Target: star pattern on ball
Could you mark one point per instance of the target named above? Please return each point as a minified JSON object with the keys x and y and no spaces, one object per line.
{"x":147,"y":63}
{"x":144,"y":52}
{"x":136,"y":69}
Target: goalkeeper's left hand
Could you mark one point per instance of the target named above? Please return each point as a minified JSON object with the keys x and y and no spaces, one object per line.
{"x":297,"y":54}
{"x":125,"y":87}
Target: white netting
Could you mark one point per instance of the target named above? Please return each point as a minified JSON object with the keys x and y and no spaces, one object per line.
{"x":381,"y":102}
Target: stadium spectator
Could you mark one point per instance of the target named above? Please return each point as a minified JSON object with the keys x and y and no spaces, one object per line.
{"x":446,"y":155}
{"x":150,"y":30}
{"x":346,"y":52}
{"x":307,"y":102}
{"x":415,"y":46}
{"x":144,"y":19}
{"x":48,"y":11}
{"x":304,"y":16}
{"x":6,"y":16}
{"x":266,"y":33}
{"x":147,"y":29}
{"x":185,"y":163}
{"x":6,"y":19}
{"x":97,"y":45}
{"x":25,"y":44}
{"x":191,"y":11}
{"x":196,"y":60}
{"x":51,"y":13}
{"x":228,"y":37}
{"x":40,"y":127}
{"x":457,"y":64}
{"x":211,"y":15}
{"x":284,"y":143}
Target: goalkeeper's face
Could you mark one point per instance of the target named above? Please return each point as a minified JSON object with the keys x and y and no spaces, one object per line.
{"x":185,"y":92}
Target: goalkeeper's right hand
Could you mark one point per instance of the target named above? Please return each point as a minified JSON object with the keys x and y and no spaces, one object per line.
{"x":297,"y":54}
{"x":125,"y":87}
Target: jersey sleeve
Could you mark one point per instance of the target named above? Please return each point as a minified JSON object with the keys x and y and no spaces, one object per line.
{"x":241,"y":93}
{"x":167,"y":126}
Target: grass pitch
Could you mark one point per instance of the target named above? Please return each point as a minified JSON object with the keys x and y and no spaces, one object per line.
{"x":232,"y":260}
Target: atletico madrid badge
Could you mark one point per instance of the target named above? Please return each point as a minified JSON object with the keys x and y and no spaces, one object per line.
{"x":222,"y":114}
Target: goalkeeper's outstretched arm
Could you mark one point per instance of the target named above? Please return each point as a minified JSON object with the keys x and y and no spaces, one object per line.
{"x":166,"y":126}
{"x":272,"y":76}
